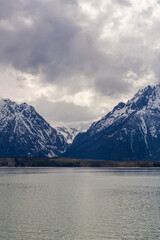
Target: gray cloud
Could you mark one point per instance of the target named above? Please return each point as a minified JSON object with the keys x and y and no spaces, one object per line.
{"x":108,"y":47}
{"x":123,"y":2}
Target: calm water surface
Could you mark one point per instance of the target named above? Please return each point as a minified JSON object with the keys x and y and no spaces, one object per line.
{"x":79,"y":203}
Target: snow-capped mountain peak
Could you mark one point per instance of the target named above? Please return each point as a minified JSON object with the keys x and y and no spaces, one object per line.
{"x":129,"y":131}
{"x":145,"y":99}
{"x":24,"y":133}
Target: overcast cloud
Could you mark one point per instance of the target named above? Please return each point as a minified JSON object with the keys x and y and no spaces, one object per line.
{"x":74,"y":60}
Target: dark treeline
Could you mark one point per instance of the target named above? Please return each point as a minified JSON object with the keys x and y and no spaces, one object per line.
{"x":67,"y":162}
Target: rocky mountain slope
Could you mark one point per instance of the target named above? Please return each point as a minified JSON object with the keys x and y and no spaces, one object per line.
{"x":68,"y":133}
{"x":24,"y":133}
{"x":130,"y":131}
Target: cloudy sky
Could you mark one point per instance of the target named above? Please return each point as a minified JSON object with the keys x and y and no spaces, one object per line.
{"x":73,"y":60}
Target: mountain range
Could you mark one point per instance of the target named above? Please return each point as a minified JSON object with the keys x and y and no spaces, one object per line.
{"x":131,"y":131}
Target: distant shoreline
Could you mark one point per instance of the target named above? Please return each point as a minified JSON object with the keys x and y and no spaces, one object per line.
{"x":80,"y":167}
{"x":68,"y":162}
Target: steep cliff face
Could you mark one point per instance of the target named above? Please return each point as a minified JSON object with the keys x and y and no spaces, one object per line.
{"x":130,"y":131}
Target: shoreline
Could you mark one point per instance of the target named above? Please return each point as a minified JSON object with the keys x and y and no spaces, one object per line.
{"x":73,"y":163}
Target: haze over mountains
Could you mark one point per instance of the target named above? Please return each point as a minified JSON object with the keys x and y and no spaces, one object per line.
{"x":130,"y":131}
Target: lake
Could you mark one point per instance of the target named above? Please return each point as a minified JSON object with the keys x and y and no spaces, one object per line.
{"x":79,"y":203}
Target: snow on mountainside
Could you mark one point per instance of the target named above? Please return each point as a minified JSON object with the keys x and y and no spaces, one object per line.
{"x":144,"y":100}
{"x":68,"y":133}
{"x":24,"y":133}
{"x":130,"y":131}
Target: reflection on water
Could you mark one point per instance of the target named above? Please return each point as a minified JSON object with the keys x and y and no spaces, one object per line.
{"x":79,"y":203}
